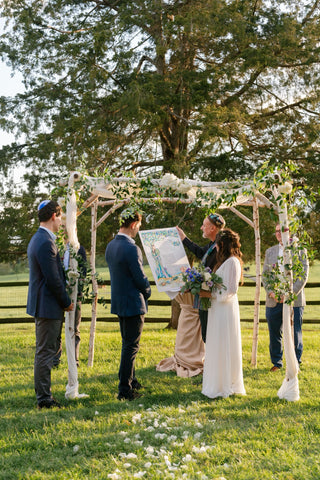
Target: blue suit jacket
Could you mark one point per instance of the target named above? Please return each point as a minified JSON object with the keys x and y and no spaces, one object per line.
{"x":47,"y":296}
{"x":130,"y":287}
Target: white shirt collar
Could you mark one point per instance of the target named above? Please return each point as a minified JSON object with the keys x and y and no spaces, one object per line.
{"x":52,"y":235}
{"x":125,"y":235}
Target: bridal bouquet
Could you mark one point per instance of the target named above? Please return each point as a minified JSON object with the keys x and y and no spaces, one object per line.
{"x":201,"y":278}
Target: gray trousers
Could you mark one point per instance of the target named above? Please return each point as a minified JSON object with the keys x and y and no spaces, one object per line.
{"x":47,"y":355}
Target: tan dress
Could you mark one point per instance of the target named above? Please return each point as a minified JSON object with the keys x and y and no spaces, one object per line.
{"x":189,"y":350}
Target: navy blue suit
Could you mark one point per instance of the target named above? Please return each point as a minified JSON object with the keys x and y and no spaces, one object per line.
{"x":130,"y":290}
{"x":47,"y":296}
{"x":47,"y":299}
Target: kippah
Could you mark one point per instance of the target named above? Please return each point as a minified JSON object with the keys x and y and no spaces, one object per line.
{"x":43,"y":204}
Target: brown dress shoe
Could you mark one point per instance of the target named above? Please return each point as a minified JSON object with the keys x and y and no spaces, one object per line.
{"x":274,"y":368}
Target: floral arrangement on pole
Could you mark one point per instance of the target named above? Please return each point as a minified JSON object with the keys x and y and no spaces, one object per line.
{"x":201,"y":278}
{"x":277,"y":281}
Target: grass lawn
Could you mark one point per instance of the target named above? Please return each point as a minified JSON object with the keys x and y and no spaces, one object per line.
{"x":171,"y":432}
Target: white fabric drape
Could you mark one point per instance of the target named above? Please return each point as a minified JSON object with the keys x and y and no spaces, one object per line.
{"x":289,"y":389}
{"x":72,"y":387}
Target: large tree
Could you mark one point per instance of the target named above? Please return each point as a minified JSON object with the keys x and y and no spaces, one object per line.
{"x":207,"y":88}
{"x":211,"y":83}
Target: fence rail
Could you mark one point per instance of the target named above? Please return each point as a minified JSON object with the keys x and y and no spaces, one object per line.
{"x":151,"y":302}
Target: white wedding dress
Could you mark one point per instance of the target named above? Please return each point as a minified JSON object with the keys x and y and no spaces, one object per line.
{"x":222,"y":373}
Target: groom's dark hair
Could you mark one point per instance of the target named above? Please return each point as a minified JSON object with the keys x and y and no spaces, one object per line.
{"x":127,"y":218}
{"x":46,"y":211}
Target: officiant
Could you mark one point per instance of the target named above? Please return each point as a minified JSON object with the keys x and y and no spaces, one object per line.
{"x":211,"y":225}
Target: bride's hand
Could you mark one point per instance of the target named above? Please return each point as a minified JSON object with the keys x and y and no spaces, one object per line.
{"x":205,"y":293}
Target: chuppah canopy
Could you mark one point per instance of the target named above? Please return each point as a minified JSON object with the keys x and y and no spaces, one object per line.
{"x":119,"y":191}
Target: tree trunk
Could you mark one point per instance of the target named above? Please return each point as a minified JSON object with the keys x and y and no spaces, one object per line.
{"x":175,"y":312}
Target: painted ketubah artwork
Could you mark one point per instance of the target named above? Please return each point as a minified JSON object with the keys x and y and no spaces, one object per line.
{"x":166,"y":256}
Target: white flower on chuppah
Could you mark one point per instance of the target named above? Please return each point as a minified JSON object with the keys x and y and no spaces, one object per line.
{"x":169,"y":180}
{"x":285,"y":187}
{"x":184,"y":186}
{"x":62,"y":201}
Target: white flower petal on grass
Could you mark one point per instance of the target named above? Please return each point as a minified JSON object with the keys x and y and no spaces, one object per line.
{"x":187,"y":458}
{"x":163,"y":451}
{"x":147,"y":465}
{"x":226,"y":465}
{"x":76,"y":449}
{"x":149,"y":449}
{"x":197,"y":435}
{"x":126,"y":440}
{"x":127,"y":465}
{"x":172,"y":438}
{"x":123,"y":433}
{"x":198,"y":425}
{"x":149,"y":429}
{"x":160,"y":435}
{"x":132,"y":455}
{"x":114,"y":476}
{"x":137,"y":436}
{"x":138,"y":442}
{"x":167,"y":461}
{"x":202,"y":449}
{"x":96,"y":412}
{"x":122,"y":455}
{"x":139,"y":474}
{"x":156,"y":423}
{"x":137,"y":418}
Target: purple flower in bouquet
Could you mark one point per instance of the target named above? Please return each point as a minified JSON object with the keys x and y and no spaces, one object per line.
{"x":201,"y":278}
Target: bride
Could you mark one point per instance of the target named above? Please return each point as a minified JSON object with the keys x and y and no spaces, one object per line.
{"x":222,"y":374}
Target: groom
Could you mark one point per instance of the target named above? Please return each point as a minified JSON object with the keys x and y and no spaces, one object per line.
{"x":130,"y":290}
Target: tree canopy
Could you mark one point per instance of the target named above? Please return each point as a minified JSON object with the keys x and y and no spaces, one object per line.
{"x":171,"y":84}
{"x":202,"y":88}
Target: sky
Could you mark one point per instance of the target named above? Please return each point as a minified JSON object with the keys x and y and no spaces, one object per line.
{"x":8,"y":86}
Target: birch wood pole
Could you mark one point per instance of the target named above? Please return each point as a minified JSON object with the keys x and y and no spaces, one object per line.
{"x":94,"y":208}
{"x":255,"y":333}
{"x":289,"y":389}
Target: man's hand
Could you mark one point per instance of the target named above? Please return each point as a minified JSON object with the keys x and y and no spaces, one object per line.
{"x":273,"y":295}
{"x":70,"y":308}
{"x":182,"y":235}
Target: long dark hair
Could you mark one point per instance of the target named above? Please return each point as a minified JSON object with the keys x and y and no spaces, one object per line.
{"x":228,"y":243}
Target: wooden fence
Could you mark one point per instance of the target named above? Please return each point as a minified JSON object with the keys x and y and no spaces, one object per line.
{"x":163,"y":303}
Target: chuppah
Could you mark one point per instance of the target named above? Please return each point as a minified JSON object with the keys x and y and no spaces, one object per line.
{"x":249,"y":192}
